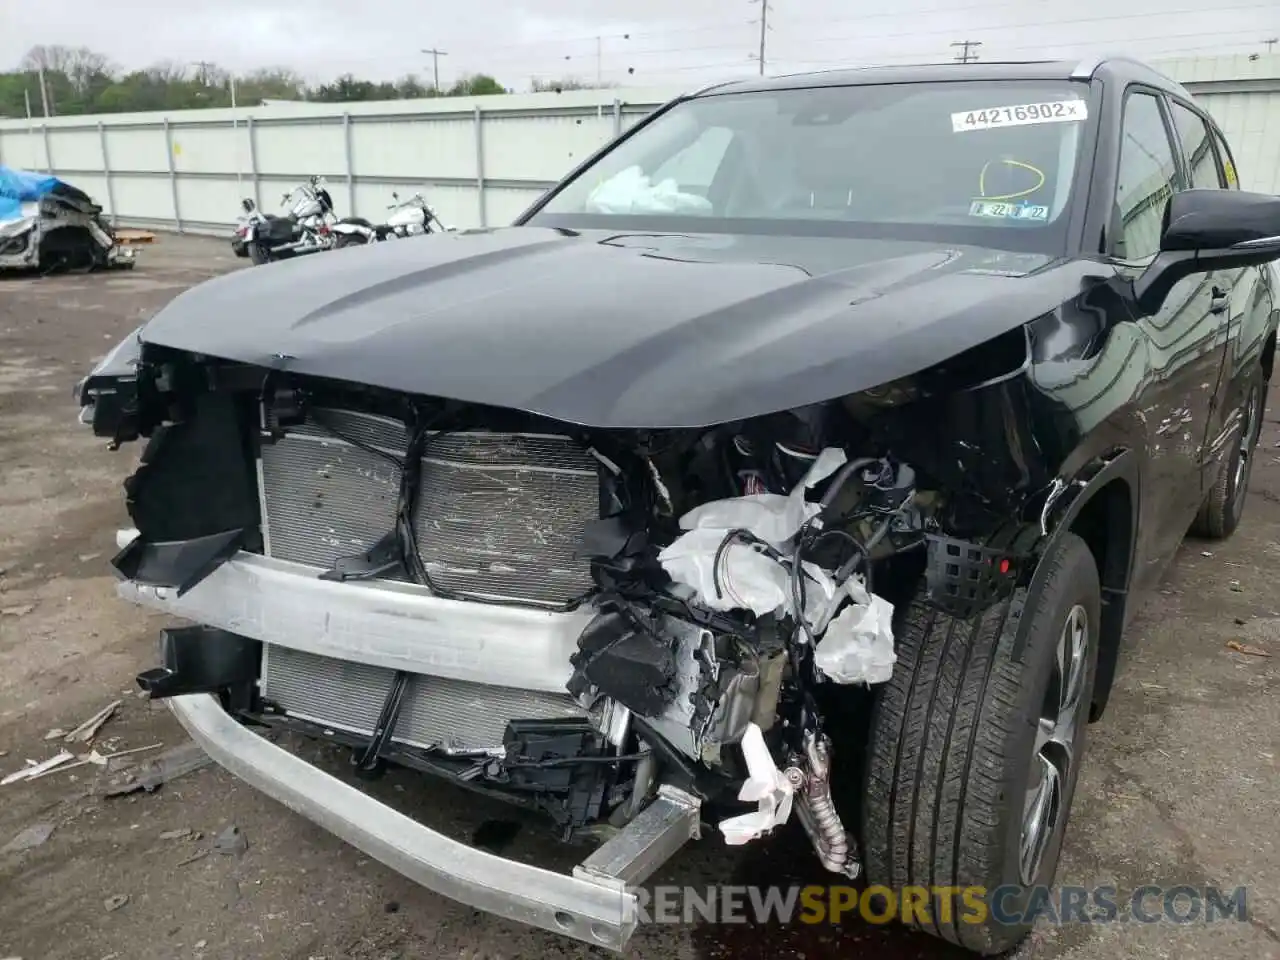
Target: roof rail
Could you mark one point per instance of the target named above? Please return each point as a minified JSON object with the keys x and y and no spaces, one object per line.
{"x":1085,"y":69}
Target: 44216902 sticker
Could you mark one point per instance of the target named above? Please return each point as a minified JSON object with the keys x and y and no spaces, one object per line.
{"x":1020,"y":115}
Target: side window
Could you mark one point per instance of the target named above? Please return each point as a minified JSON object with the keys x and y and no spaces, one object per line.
{"x":694,"y":167}
{"x":1148,"y":175}
{"x":1228,"y":164}
{"x":1197,"y":147}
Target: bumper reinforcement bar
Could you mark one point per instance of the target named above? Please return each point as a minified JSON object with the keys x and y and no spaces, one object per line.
{"x":593,"y":905}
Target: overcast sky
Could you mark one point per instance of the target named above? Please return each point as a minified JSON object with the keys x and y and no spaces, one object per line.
{"x":680,"y":42}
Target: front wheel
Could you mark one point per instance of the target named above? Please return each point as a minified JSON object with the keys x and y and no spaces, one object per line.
{"x":973,"y":756}
{"x":259,"y":253}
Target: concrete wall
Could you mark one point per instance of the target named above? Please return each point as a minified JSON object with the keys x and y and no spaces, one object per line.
{"x":480,"y":160}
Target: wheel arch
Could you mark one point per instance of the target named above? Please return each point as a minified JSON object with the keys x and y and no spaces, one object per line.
{"x":1100,"y":507}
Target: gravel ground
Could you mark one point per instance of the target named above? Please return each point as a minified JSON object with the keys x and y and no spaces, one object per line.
{"x":1180,"y":786}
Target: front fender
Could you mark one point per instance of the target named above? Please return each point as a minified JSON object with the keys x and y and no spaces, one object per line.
{"x":1114,"y":477}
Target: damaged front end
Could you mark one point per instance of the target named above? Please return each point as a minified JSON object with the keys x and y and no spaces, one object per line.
{"x":617,"y":627}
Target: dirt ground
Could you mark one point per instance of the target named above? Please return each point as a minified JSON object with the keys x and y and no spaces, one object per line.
{"x":1180,"y":786}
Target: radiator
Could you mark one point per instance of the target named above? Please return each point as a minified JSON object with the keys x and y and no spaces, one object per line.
{"x":436,"y":713}
{"x":499,"y":515}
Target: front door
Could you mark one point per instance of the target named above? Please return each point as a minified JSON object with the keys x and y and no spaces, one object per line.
{"x":1184,"y":343}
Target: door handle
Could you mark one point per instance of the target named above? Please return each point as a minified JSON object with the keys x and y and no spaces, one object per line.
{"x":1220,"y":300}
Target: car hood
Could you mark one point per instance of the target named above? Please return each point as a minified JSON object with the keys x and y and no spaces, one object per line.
{"x":619,"y":330}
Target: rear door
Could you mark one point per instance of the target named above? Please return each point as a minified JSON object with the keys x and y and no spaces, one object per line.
{"x":1231,"y":291}
{"x":1183,"y":341}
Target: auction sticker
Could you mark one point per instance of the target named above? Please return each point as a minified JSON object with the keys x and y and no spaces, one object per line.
{"x":1054,"y":111}
{"x":1008,"y":211}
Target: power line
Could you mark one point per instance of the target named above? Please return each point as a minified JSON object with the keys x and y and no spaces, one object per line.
{"x":1036,"y":24}
{"x":964,"y":56}
{"x":1049,"y":50}
{"x":435,"y":64}
{"x":534,"y":48}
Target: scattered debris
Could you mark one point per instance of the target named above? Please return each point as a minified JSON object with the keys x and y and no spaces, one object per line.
{"x":130,"y":751}
{"x":57,"y":733}
{"x":21,"y":610}
{"x":33,"y":836}
{"x":86,"y":557}
{"x":198,"y":855}
{"x":1241,"y":621}
{"x":765,"y":784}
{"x":89,"y":729}
{"x":173,"y":763}
{"x":115,"y":903}
{"x":201,"y":944}
{"x":34,"y":769}
{"x":92,"y":757}
{"x":1245,"y":648}
{"x":180,"y":834}
{"x":1235,"y":587}
{"x":1206,"y":553}
{"x":231,"y":841}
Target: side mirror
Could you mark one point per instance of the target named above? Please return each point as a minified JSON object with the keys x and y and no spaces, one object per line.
{"x":247,"y":204}
{"x":395,"y":196}
{"x":1209,"y":230}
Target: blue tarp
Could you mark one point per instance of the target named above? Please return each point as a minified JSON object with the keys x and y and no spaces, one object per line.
{"x":21,"y":186}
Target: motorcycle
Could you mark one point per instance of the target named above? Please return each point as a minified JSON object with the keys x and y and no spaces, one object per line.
{"x":409,"y":218}
{"x":303,"y":229}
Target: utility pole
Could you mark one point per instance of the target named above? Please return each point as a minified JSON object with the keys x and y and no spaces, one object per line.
{"x":435,"y":65}
{"x":1271,"y":43}
{"x":44,"y":92}
{"x":764,"y":30}
{"x":203,"y":67}
{"x":968,"y":51}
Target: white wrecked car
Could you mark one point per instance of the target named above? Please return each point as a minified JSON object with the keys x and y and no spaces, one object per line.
{"x":47,"y":224}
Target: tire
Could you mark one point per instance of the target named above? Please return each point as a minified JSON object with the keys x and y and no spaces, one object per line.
{"x":259,"y":253}
{"x":1223,"y":507}
{"x":955,"y":741}
{"x":347,"y":240}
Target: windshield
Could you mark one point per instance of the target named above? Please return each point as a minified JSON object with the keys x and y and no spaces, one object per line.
{"x":995,"y":157}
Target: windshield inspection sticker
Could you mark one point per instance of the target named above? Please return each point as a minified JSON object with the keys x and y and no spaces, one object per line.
{"x":1004,"y":210}
{"x":1057,"y":111}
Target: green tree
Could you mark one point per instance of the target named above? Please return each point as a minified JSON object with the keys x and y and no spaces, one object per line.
{"x":475,"y":85}
{"x":79,"y":81}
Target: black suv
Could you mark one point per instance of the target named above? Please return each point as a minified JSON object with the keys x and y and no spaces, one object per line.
{"x":803,"y":453}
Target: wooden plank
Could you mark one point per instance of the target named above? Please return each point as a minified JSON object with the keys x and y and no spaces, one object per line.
{"x":135,"y":236}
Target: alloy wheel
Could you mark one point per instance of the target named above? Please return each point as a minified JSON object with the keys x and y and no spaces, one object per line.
{"x":1054,"y":751}
{"x":1251,"y":421}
